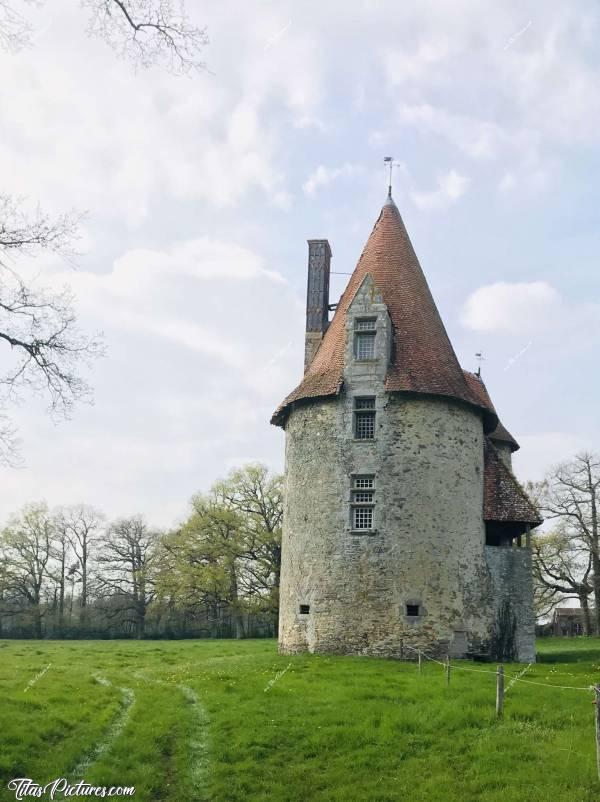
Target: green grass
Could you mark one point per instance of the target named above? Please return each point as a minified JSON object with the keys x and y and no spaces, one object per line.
{"x":192,"y":722}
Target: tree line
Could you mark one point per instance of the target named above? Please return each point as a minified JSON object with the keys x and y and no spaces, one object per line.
{"x":69,"y":573}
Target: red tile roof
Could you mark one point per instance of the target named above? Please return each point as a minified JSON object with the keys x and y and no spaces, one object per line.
{"x":503,"y":497}
{"x":423,"y":360}
{"x":480,"y":392}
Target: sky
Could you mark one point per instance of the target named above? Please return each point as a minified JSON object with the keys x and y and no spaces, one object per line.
{"x":200,"y":193}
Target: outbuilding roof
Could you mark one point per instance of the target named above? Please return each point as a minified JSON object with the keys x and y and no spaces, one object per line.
{"x":423,"y":360}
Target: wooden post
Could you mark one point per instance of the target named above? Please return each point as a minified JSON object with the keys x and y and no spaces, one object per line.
{"x":528,"y":535}
{"x":419,"y":661}
{"x":499,"y":691}
{"x":448,"y":669}
{"x":597,"y":702}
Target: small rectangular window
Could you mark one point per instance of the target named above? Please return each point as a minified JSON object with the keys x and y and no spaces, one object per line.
{"x":364,"y":338}
{"x":304,"y":609}
{"x":412,"y":610}
{"x":363,"y":518}
{"x":364,"y":418}
{"x":362,"y":503}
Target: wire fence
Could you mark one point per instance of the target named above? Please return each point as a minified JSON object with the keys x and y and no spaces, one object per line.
{"x":501,"y":690}
{"x":513,"y":678}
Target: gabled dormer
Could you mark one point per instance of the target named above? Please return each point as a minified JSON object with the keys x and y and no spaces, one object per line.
{"x":368,"y":341}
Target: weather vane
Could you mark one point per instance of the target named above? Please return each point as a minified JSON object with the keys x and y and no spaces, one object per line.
{"x":480,"y":358}
{"x":390,"y":164}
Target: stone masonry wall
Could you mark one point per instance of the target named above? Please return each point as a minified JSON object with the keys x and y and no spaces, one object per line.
{"x":510,"y":571}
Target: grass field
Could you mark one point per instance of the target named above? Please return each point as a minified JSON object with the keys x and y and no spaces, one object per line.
{"x":216,"y":721}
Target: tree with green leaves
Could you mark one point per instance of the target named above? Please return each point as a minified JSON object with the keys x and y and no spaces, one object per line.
{"x":228,"y":552}
{"x":26,"y":550}
{"x":257,"y":496}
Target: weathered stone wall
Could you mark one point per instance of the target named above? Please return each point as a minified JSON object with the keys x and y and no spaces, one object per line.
{"x":510,"y":572}
{"x":429,"y":539}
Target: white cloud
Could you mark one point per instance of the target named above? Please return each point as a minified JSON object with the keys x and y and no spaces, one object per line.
{"x":477,"y":138}
{"x":451,"y":187}
{"x":203,"y":294}
{"x":324,"y":176}
{"x":405,"y":64}
{"x":512,"y":308}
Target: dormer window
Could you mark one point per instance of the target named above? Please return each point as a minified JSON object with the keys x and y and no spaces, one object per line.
{"x":364,"y":338}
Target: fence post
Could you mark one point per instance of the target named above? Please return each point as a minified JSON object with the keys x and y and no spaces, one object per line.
{"x":448,"y":669}
{"x":597,"y":701}
{"x":419,"y":661}
{"x":499,"y":691}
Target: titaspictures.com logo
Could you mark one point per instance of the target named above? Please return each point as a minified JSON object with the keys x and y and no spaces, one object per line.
{"x":26,"y":788}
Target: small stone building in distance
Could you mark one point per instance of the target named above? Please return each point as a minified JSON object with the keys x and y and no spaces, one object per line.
{"x":404,"y":526}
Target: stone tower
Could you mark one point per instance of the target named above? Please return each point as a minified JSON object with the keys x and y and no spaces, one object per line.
{"x":403,"y":525}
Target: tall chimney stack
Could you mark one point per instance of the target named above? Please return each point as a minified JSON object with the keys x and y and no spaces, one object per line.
{"x":317,"y":297}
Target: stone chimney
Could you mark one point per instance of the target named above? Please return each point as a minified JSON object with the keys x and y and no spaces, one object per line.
{"x":317,"y":297}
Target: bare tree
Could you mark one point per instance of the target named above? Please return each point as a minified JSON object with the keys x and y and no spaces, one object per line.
{"x":15,"y":30}
{"x":26,"y":547}
{"x":571,"y":495}
{"x":128,"y":562}
{"x":146,"y":32}
{"x":81,"y":525}
{"x":57,"y":571}
{"x":43,"y":347}
{"x":561,"y":571}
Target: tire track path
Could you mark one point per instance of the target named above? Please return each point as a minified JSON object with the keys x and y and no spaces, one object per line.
{"x":112,"y":733}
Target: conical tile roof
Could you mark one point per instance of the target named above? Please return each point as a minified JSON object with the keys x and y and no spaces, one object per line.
{"x":423,"y":360}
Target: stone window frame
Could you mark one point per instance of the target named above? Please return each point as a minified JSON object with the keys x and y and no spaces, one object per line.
{"x":361,"y":485}
{"x":360,"y":413}
{"x":413,"y":619}
{"x":365,"y":330}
